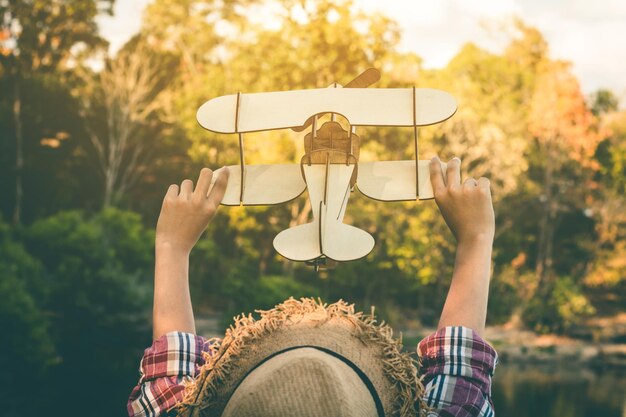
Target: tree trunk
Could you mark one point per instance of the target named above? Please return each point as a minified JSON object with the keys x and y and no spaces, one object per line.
{"x":108,"y":189}
{"x":545,"y":242}
{"x":19,"y":153}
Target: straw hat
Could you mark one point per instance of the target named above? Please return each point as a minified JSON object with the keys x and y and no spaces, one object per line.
{"x":305,"y":358}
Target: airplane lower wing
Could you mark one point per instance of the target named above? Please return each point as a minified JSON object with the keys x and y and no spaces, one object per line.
{"x":263,"y":184}
{"x":395,"y":180}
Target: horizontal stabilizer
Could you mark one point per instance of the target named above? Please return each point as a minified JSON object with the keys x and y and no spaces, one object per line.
{"x":299,"y":243}
{"x":395,"y":180}
{"x":342,"y":242}
{"x":339,"y":241}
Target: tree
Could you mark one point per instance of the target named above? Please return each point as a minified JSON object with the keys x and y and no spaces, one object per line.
{"x":566,"y":134}
{"x":603,"y":101}
{"x":609,"y":266}
{"x":38,"y":37}
{"x":98,"y":271}
{"x":27,"y":351}
{"x":116,"y":104}
{"x":490,"y":119}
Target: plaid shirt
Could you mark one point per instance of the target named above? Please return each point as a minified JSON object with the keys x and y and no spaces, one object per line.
{"x":457,"y":366}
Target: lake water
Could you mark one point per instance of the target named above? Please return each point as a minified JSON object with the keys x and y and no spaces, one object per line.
{"x":521,"y":391}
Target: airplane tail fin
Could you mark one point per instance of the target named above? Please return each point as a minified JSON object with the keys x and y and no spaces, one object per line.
{"x":339,"y":241}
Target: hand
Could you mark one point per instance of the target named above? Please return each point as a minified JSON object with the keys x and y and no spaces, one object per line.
{"x":466,"y":208}
{"x":185,"y":215}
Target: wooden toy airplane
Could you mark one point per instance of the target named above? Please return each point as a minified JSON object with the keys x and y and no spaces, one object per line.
{"x":330,"y":167}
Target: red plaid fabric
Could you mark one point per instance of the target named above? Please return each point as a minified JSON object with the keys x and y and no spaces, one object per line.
{"x":172,"y":360}
{"x":458,"y":366}
{"x":456,"y":363}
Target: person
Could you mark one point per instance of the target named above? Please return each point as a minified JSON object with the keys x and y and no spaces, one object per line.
{"x":306,"y":358}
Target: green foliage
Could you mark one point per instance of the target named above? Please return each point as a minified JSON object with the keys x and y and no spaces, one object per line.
{"x":268,"y":291}
{"x":44,"y":31}
{"x":505,"y":294}
{"x":26,"y":352}
{"x":563,"y":307}
{"x":98,"y":274}
{"x":99,"y":269}
{"x":603,"y":101}
{"x":75,"y":288}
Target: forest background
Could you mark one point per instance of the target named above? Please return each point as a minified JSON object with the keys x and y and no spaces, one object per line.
{"x":90,"y":142}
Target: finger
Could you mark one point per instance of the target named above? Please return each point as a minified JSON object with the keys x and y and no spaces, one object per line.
{"x":172,"y":192}
{"x":217,"y":192}
{"x":203,"y":184}
{"x":470,"y":183}
{"x":484,"y":182}
{"x":453,"y":173}
{"x":436,"y":174}
{"x":186,"y":188}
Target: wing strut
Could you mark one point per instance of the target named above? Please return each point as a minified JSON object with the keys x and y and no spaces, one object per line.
{"x":417,"y":171}
{"x":313,"y":136}
{"x":326,"y":178}
{"x":350,"y":146}
{"x":241,"y":158}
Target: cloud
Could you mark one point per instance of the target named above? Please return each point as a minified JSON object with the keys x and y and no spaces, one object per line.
{"x":588,"y":33}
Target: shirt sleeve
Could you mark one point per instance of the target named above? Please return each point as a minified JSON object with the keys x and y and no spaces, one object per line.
{"x":457,"y":367}
{"x":172,"y":360}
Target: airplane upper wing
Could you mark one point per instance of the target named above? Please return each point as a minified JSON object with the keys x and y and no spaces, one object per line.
{"x":240,"y":113}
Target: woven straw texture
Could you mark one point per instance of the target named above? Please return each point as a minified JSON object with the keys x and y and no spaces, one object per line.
{"x":303,"y":382}
{"x":355,"y":336}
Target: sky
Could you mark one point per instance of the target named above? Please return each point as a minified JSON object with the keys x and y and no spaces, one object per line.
{"x":590,"y":34}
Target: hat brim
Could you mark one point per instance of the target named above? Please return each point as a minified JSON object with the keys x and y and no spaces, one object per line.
{"x":355,"y":337}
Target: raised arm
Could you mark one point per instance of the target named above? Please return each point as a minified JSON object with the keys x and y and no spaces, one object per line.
{"x":468,"y":211}
{"x":457,"y":363}
{"x":185,"y":214}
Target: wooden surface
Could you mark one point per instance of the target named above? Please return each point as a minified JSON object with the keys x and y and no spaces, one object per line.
{"x":343,"y":242}
{"x":331,"y":135}
{"x":264,"y":184}
{"x":361,"y":106}
{"x":299,"y":243}
{"x":394,"y":180}
{"x":363,"y":80}
{"x":326,"y":234}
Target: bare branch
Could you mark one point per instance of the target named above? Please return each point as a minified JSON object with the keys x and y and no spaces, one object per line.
{"x":124,"y":97}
